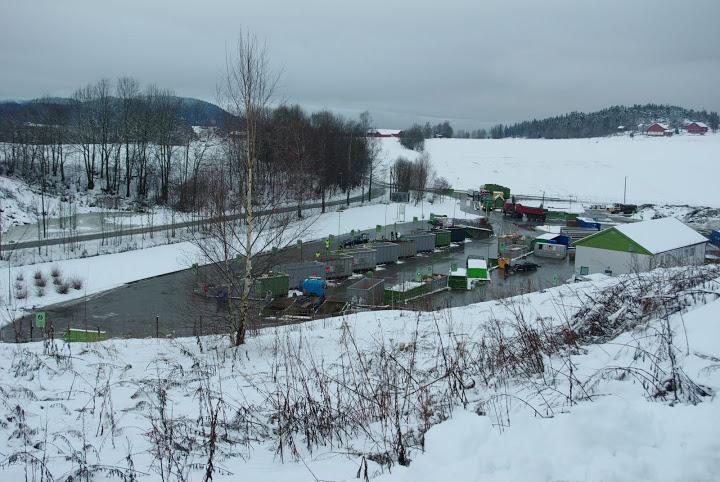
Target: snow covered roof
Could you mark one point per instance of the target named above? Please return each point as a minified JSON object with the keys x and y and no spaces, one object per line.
{"x":547,"y":236}
{"x":699,"y":124}
{"x":660,"y":235}
{"x":477,"y":263}
{"x":664,"y":126}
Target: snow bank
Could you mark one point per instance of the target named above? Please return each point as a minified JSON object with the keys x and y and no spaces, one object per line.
{"x":613,"y":439}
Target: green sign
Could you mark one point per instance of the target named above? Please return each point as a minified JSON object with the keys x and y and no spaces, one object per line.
{"x":195,"y":268}
{"x":415,"y":219}
{"x":378,"y":228}
{"x":429,"y":270}
{"x":327,"y":243}
{"x":40,"y":318}
{"x":418,"y":276}
{"x":453,"y":266}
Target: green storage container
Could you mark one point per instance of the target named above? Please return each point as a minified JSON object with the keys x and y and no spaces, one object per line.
{"x":477,"y":268}
{"x":277,"y":284}
{"x":399,"y":294}
{"x":78,"y":335}
{"x":457,"y":282}
{"x":442,"y":238}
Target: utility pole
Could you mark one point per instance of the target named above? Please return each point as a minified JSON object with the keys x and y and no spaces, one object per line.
{"x":625,"y":191}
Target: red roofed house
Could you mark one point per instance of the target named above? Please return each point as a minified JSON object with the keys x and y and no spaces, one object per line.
{"x":696,"y":128}
{"x":657,"y":129}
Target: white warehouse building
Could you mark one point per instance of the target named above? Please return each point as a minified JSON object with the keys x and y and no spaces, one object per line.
{"x":640,"y":246}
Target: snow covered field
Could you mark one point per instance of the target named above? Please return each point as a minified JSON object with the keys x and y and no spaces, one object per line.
{"x":100,"y":273}
{"x":683,"y":169}
{"x":580,"y":382}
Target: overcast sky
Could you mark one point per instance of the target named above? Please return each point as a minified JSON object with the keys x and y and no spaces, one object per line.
{"x":474,"y":62}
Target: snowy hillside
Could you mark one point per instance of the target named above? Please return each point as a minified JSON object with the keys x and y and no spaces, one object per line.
{"x":678,"y":170}
{"x":581,"y":382}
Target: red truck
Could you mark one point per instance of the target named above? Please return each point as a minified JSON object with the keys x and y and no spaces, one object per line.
{"x":517,"y":210}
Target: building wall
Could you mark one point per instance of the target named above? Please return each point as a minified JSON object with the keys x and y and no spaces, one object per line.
{"x":598,"y":260}
{"x":689,"y":255}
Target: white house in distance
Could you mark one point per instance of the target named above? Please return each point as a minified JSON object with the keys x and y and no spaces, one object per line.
{"x":641,"y":246}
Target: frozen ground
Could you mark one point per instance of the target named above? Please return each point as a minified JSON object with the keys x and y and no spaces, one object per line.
{"x":579,"y":382}
{"x":682,"y":169}
{"x":100,"y":273}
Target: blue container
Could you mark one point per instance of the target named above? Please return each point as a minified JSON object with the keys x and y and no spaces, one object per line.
{"x":715,"y":237}
{"x":562,"y":239}
{"x":588,"y":223}
{"x":314,"y":287}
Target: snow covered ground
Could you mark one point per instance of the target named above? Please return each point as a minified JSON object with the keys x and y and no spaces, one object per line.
{"x":682,"y":169}
{"x":579,"y":382}
{"x":100,"y":273}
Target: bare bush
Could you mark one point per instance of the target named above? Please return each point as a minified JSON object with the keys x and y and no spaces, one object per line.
{"x":55,"y":271}
{"x":40,"y":291}
{"x":76,"y":283}
{"x":63,"y":288}
{"x":40,"y":281}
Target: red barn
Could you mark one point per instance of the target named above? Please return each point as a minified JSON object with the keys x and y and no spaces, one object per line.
{"x":696,"y":128}
{"x":657,"y":129}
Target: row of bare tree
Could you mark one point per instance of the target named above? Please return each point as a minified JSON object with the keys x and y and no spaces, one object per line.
{"x":134,"y":142}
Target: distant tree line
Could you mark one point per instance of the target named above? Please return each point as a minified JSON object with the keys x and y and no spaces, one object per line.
{"x":136,"y":142}
{"x":604,"y":122}
{"x":573,"y":125}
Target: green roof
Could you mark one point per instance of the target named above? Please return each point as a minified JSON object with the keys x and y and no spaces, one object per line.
{"x":613,"y":240}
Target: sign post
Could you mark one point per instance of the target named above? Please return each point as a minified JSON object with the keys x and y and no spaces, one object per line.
{"x":40,"y":319}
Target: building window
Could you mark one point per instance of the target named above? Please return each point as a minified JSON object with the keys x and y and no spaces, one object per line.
{"x":584,"y":270}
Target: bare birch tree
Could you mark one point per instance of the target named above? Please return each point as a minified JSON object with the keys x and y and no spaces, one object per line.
{"x":248,"y":90}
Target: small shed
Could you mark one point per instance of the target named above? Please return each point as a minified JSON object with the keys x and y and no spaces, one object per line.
{"x":367,"y":291}
{"x":549,"y":246}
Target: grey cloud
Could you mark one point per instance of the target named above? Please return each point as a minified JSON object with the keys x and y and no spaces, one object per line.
{"x":473,"y":62}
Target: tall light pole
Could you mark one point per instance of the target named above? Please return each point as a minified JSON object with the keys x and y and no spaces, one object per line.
{"x":625,"y":190}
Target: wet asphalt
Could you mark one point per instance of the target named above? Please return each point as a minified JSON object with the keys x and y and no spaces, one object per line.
{"x":165,"y":305}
